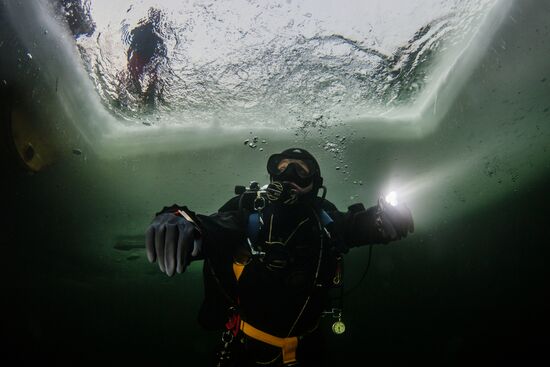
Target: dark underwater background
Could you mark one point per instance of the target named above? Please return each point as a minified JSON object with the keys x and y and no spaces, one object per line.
{"x":469,"y":286}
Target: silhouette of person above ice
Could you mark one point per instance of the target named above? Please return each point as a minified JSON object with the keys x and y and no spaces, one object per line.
{"x":146,"y":54}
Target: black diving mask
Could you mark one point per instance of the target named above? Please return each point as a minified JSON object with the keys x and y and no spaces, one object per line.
{"x":298,"y":171}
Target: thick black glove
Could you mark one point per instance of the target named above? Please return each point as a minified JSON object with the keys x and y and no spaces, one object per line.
{"x":395,"y":222}
{"x":170,"y":240}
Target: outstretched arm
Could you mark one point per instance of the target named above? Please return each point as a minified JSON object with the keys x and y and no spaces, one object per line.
{"x":177,"y":236}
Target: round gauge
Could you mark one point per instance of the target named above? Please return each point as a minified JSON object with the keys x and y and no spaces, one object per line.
{"x":338,"y":327}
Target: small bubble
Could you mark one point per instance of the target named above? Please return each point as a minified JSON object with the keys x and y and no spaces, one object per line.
{"x":261,"y":149}
{"x":246,"y":142}
{"x":29,"y":56}
{"x":337,"y":168}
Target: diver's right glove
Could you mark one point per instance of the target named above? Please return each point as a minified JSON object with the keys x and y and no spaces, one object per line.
{"x":172,"y":239}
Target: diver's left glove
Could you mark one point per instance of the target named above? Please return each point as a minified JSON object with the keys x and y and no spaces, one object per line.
{"x":393,"y":221}
{"x":381,"y":223}
{"x":173,"y":239}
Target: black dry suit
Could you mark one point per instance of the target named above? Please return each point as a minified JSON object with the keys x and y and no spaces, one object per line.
{"x":271,"y":270}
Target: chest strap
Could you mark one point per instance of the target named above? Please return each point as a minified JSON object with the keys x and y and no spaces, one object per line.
{"x":287,"y":345}
{"x":254,"y":222}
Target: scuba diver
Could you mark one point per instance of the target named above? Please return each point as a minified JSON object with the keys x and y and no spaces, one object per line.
{"x":272,"y":255}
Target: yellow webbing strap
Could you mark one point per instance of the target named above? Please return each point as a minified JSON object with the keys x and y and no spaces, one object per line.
{"x":238,"y":270}
{"x":288,"y":345}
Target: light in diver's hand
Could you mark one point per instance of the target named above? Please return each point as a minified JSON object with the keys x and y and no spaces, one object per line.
{"x":391,"y":198}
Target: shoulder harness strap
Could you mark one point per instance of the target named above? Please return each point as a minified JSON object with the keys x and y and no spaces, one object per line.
{"x":254,"y":222}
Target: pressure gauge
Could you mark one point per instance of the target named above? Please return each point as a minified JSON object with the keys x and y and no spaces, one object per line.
{"x":338,"y":327}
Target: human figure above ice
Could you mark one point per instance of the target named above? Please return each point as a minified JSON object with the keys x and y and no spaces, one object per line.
{"x":146,"y":54}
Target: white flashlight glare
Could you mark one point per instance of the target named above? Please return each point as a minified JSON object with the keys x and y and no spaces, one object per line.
{"x":391,"y":198}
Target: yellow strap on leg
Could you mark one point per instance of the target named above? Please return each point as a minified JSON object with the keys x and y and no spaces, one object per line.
{"x":288,"y":345}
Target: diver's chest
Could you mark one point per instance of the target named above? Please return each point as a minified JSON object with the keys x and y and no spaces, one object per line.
{"x":287,"y":268}
{"x":281,"y":254}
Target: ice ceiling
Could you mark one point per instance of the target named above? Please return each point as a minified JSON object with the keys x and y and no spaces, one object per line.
{"x":273,"y":63}
{"x":140,"y":75}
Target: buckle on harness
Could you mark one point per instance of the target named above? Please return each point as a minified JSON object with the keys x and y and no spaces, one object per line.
{"x":288,"y":345}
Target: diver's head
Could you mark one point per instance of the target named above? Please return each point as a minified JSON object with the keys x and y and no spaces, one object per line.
{"x":298,"y":169}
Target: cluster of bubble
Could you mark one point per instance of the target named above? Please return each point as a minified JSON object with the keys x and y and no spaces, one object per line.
{"x":253,"y":142}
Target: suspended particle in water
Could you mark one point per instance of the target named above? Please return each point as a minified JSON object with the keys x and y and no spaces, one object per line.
{"x":29,"y":56}
{"x":146,"y":123}
{"x":261,"y":149}
{"x":337,"y":168}
{"x":264,"y":141}
{"x":77,"y":151}
{"x":246,"y":142}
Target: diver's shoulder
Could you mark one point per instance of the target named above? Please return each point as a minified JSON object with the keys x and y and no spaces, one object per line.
{"x":230,"y":205}
{"x":326,"y":205}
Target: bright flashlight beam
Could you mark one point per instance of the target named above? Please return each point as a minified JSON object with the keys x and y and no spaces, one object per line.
{"x":391,"y":198}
